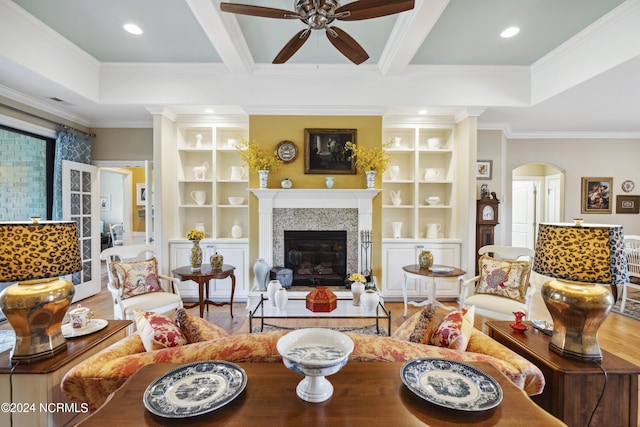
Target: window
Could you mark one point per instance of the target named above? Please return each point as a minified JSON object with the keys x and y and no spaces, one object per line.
{"x":26,"y":175}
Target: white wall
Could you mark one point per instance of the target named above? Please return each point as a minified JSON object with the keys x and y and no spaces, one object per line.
{"x":582,"y":158}
{"x":111,"y":184}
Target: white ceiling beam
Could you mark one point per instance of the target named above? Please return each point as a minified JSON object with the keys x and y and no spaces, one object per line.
{"x":225,"y":34}
{"x":409,"y":32}
{"x":607,"y":43}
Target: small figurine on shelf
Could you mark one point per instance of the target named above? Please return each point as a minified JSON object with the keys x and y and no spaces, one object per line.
{"x":518,"y":325}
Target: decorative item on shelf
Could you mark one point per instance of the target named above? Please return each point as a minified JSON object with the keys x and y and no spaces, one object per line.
{"x":261,"y":274}
{"x":433,"y":143}
{"x":396,"y":200}
{"x":37,"y":304}
{"x":433,"y":230}
{"x":425,"y":259}
{"x":397,"y":141}
{"x":370,"y":160}
{"x":235,"y":200}
{"x":258,"y":160}
{"x":272,"y":287}
{"x":195,"y":257}
{"x":576,"y":298}
{"x":200,"y":227}
{"x":281,"y":297}
{"x":321,"y":300}
{"x":365,"y":253}
{"x":394,"y":172}
{"x":369,"y":300}
{"x":199,"y":140}
{"x":431,"y":174}
{"x":200,"y":172}
{"x":357,"y":287}
{"x":433,"y":200}
{"x":236,"y":173}
{"x":286,"y":183}
{"x":199,"y":197}
{"x":397,"y":229}
{"x":216,"y":260}
{"x":518,"y":325}
{"x":329,"y":182}
{"x":236,"y":229}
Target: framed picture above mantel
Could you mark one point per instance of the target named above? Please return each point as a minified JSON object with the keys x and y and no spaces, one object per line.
{"x":324,"y":151}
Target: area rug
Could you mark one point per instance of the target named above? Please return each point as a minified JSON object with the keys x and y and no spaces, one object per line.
{"x":631,"y":308}
{"x":365,"y":330}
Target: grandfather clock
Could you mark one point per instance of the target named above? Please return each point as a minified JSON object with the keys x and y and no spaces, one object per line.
{"x":486,"y":221}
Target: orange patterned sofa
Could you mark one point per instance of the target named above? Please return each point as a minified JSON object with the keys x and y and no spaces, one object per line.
{"x":95,"y":378}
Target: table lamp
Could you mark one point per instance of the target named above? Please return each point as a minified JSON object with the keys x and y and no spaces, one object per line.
{"x":581,"y":258}
{"x":35,"y":254}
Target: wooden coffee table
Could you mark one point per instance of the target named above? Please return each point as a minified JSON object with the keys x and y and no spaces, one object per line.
{"x":365,"y":393}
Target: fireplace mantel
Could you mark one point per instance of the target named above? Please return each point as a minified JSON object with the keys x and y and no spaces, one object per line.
{"x":269,"y":199}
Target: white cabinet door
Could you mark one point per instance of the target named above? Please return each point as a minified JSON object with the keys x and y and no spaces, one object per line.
{"x":235,"y":254}
{"x":397,"y":255}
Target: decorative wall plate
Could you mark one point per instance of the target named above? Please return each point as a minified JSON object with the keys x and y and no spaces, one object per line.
{"x":287,"y":151}
{"x":628,"y":186}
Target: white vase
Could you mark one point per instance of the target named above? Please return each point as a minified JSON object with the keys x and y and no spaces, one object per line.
{"x":281,"y":299}
{"x":261,"y":273}
{"x":371,"y":178}
{"x":394,"y":172}
{"x":263,"y":175}
{"x":369,"y":300}
{"x":272,"y":288}
{"x":397,"y":229}
{"x":329,"y":182}
{"x":236,"y":230}
{"x":357,"y":289}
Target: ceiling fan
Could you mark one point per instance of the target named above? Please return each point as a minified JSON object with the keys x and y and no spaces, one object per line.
{"x":318,"y":15}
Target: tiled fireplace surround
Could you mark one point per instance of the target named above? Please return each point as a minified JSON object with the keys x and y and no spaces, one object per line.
{"x":312,"y":209}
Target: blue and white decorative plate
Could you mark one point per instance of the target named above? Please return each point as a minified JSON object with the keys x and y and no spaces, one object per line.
{"x":195,"y":389}
{"x":451,"y":384}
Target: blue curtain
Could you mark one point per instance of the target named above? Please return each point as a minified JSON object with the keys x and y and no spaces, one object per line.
{"x":69,"y":146}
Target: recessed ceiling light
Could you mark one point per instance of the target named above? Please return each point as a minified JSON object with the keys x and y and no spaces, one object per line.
{"x":133,"y":29}
{"x":423,"y":112}
{"x":208,"y":110}
{"x":509,"y":32}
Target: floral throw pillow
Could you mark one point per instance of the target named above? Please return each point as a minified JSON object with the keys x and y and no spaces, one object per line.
{"x":455,"y":330}
{"x":136,"y":277}
{"x":503,"y":278}
{"x":158,"y":331}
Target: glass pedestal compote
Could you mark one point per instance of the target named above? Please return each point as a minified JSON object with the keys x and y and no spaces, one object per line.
{"x":315,"y":353}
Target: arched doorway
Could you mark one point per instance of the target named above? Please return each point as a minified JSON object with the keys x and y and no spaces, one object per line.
{"x":537,"y":195}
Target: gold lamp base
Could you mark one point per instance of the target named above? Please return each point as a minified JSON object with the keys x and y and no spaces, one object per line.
{"x":578,"y":310}
{"x":35,"y":309}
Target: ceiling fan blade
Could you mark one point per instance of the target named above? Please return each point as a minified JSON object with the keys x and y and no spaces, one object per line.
{"x":366,"y":9}
{"x":292,"y":46}
{"x":266,"y":12}
{"x":347,"y":45}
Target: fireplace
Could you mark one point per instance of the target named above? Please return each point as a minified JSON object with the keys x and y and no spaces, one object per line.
{"x":316,"y":257}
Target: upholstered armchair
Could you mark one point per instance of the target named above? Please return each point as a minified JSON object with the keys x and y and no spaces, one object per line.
{"x":502,"y":286}
{"x":135,"y":283}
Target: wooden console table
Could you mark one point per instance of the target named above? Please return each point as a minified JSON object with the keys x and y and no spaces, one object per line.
{"x":39,"y":383}
{"x":270,"y":399}
{"x":573,"y":387}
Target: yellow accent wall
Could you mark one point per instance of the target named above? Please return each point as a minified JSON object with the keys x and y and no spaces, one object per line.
{"x":268,"y":131}
{"x":137,"y":222}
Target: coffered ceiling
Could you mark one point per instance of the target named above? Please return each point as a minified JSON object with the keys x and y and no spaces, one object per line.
{"x":571,"y":71}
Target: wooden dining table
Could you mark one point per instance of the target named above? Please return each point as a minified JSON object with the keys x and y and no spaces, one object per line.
{"x":365,"y":394}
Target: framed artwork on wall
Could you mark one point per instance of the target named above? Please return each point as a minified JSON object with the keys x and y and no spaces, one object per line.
{"x":324,"y":151}
{"x":627,"y":204}
{"x":141,"y":194}
{"x":596,"y":195}
{"x":484,"y":169}
{"x":105,"y":202}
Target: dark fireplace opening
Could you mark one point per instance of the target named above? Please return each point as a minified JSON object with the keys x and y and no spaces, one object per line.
{"x":316,"y":257}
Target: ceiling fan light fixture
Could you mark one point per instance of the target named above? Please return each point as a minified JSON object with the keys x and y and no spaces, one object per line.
{"x":509,"y":32}
{"x":132,"y":29}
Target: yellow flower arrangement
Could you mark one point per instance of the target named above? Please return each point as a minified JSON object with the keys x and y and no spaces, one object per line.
{"x":357,"y":277}
{"x":370,"y":159}
{"x":195,"y":234}
{"x":256,"y":158}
